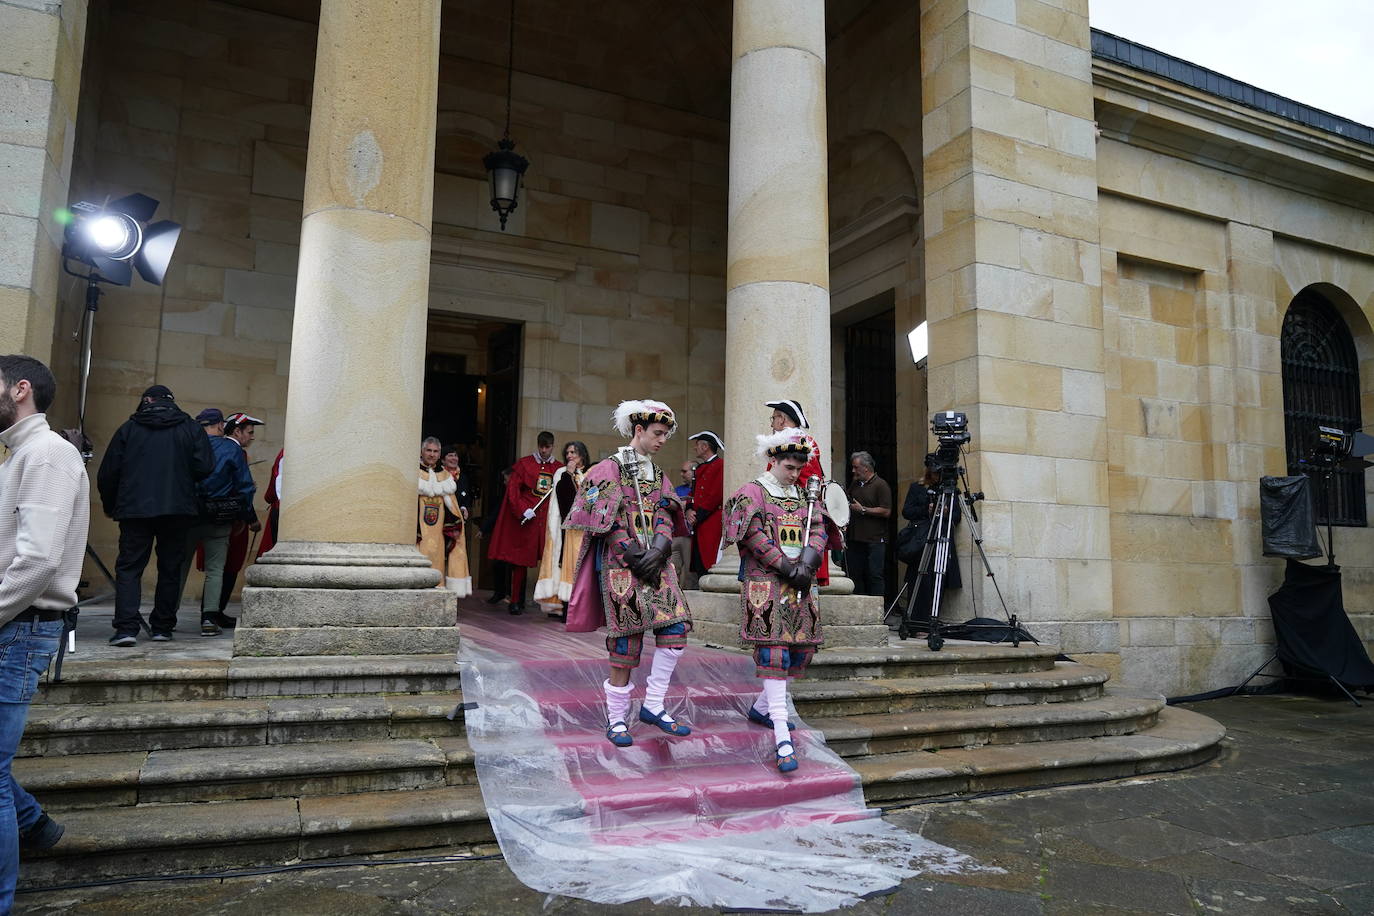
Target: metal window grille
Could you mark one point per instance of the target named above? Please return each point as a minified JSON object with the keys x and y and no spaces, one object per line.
{"x":1321,"y":387}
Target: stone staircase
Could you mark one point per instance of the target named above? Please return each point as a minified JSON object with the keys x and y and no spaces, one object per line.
{"x":162,"y":768}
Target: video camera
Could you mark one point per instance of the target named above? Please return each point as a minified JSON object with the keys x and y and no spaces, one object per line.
{"x":951,"y":433}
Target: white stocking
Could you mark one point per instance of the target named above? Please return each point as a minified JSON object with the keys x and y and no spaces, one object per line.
{"x":617,"y":704}
{"x":775,"y":688}
{"x":660,"y":673}
{"x":761,"y":703}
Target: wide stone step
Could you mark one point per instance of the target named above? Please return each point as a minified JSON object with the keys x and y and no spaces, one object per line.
{"x":1064,"y":683}
{"x":1118,"y":713}
{"x":242,"y":773}
{"x":91,"y":729}
{"x":193,"y":838}
{"x":1179,"y":739}
{"x":150,"y":680}
{"x":183,"y":838}
{"x":914,"y":659}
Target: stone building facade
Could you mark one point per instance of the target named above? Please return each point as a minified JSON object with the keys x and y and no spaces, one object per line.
{"x":1105,"y":249}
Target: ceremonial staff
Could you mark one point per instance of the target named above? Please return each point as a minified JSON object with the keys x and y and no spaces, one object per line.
{"x":813,"y":493}
{"x":541,"y":502}
{"x":627,"y":452}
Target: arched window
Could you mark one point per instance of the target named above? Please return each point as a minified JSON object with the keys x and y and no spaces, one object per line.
{"x":1321,"y":387}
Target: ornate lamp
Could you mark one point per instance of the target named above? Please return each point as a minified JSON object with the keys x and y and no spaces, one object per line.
{"x":505,"y":166}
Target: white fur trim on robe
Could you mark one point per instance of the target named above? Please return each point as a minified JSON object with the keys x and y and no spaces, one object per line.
{"x":548,"y":585}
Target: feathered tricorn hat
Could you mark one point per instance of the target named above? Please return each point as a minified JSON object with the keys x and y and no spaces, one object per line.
{"x":784,"y":442}
{"x":642,"y":413}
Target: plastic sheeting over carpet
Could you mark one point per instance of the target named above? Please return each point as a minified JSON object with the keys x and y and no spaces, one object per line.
{"x":706,"y":819}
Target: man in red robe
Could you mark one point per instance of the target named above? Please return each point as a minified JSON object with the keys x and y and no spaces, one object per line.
{"x":518,"y":537}
{"x":708,"y":492}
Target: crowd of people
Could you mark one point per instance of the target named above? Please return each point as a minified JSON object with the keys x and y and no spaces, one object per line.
{"x":182,"y":487}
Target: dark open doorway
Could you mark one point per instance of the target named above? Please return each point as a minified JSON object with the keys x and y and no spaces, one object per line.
{"x":870,"y":421}
{"x":472,"y":401}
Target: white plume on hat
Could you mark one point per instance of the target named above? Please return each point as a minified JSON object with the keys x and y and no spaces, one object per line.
{"x":771,"y":441}
{"x":626,"y":414}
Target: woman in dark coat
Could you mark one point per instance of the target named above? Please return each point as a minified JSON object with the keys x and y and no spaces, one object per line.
{"x":917,"y":509}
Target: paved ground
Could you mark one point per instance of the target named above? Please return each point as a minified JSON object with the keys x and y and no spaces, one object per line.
{"x":93,"y":632}
{"x":1281,"y":823}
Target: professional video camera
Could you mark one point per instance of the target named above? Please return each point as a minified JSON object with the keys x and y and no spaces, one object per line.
{"x":951,"y":435}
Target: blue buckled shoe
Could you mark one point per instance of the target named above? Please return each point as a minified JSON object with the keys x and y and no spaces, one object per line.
{"x":619,"y":739}
{"x":676,"y":729}
{"x":765,"y":720}
{"x":786,"y":762}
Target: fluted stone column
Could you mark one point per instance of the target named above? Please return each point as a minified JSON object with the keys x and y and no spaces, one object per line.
{"x":777,"y":299}
{"x":346,"y":577}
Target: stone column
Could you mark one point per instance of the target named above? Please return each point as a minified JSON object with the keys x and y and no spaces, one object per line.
{"x":1014,"y":299}
{"x":346,"y":577}
{"x":777,"y":284}
{"x":40,"y":77}
{"x":777,"y":281}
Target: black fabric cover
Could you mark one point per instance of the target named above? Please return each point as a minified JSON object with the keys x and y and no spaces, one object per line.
{"x":1288,"y":517}
{"x":1315,"y":637}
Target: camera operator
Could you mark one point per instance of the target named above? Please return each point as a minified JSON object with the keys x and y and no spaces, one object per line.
{"x":917,"y":509}
{"x":870,"y":506}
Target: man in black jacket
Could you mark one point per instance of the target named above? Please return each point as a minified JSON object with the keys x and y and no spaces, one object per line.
{"x":147,"y":483}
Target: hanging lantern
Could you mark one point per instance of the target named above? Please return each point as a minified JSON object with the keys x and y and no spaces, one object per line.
{"x":504,"y":169}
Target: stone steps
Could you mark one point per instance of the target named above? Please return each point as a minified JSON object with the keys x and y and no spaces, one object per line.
{"x":1179,"y":739}
{"x":191,"y":837}
{"x":1066,"y":682}
{"x":1116,"y":713}
{"x":209,"y":836}
{"x":955,"y":658}
{"x":149,"y":726}
{"x":152,"y":681}
{"x":256,"y":721}
{"x":250,"y":771}
{"x":243,"y":773}
{"x":161,"y":768}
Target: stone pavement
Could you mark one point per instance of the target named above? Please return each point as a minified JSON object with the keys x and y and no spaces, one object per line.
{"x":1282,"y":822}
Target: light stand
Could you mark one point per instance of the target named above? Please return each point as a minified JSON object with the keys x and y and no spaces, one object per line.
{"x":113,"y":240}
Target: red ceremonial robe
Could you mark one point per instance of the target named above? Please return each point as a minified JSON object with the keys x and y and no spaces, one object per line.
{"x":512,"y":542}
{"x":708,"y":492}
{"x":273,"y":500}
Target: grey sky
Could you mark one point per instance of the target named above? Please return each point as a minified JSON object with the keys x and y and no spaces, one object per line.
{"x":1320,"y":52}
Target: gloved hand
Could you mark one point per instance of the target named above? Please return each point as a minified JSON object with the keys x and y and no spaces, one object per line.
{"x":633,"y":555}
{"x":649,"y":565}
{"x":804,"y":573}
{"x":528,"y":514}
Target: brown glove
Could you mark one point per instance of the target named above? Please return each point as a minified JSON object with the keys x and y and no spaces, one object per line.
{"x":804,"y":572}
{"x":649,"y":565}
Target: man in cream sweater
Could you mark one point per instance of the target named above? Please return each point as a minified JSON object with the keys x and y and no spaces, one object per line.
{"x":44,"y":513}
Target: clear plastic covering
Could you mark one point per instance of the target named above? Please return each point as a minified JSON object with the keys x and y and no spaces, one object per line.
{"x":706,"y":819}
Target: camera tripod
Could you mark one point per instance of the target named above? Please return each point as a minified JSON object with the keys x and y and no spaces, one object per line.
{"x":935,"y":561}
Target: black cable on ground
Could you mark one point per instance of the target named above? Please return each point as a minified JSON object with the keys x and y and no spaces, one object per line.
{"x":263,"y":870}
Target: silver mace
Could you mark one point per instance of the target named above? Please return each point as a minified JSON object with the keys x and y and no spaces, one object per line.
{"x":813,"y":493}
{"x":628,"y":454}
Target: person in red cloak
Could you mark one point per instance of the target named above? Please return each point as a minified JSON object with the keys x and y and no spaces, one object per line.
{"x":273,"y":499}
{"x":788,"y":414}
{"x":518,"y":537}
{"x":708,"y":492}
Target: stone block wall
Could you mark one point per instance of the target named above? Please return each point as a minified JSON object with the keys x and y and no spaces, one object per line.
{"x":1198,"y":271}
{"x":41,"y":47}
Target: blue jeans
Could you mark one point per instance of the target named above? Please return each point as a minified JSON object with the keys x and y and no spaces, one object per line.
{"x":25,"y":649}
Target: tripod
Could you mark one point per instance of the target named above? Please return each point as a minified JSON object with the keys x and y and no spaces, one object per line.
{"x":935,"y":561}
